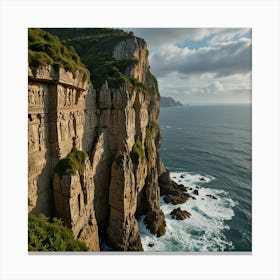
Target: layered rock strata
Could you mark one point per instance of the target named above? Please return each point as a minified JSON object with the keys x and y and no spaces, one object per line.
{"x":60,"y":106}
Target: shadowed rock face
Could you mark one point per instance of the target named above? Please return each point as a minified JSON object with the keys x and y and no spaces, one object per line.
{"x":118,"y":129}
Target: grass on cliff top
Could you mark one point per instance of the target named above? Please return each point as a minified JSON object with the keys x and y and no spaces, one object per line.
{"x":95,"y":46}
{"x":45,"y":48}
{"x":73,"y":162}
{"x":45,"y":234}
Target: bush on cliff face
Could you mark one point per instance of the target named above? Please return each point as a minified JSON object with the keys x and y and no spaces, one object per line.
{"x":45,"y":234}
{"x":137,"y":153}
{"x":73,"y":162}
{"x":44,"y":48}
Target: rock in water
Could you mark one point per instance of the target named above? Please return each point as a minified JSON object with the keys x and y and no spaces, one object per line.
{"x":179,"y":214}
{"x":211,"y":196}
{"x":195,"y":192}
{"x":173,"y":193}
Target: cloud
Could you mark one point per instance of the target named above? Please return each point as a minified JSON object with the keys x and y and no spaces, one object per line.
{"x":217,"y":86}
{"x":157,"y":37}
{"x":201,"y":65}
{"x":223,"y":59}
{"x":228,"y":34}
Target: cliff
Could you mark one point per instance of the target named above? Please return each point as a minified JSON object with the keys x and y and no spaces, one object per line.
{"x":93,"y":149}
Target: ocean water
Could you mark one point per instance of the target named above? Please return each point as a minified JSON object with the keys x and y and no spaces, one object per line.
{"x":213,"y":143}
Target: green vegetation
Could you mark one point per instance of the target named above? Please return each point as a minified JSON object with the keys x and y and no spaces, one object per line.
{"x":148,"y":151}
{"x":45,"y":234}
{"x":45,"y":48}
{"x":151,"y":128}
{"x":137,"y":153}
{"x":73,"y":162}
{"x":95,"y":46}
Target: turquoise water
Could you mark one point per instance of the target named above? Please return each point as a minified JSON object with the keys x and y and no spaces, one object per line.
{"x":213,"y":142}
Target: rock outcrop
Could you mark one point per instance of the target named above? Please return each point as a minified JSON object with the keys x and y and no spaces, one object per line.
{"x":179,"y":214}
{"x":171,"y":191}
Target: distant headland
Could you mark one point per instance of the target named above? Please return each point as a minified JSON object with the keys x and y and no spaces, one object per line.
{"x":166,"y":101}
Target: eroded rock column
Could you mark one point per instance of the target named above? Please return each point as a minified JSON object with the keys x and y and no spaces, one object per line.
{"x":74,"y":200}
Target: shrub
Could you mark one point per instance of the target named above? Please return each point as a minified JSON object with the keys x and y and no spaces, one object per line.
{"x":137,"y":153}
{"x":45,"y":48}
{"x":73,"y":162}
{"x":45,"y":234}
{"x":152,"y":128}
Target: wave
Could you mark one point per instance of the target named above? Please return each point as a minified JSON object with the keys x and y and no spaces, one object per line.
{"x":204,"y":230}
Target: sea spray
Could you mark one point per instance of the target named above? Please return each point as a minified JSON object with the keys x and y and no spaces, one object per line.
{"x":204,"y":230}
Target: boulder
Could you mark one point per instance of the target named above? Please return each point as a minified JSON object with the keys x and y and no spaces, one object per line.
{"x":179,"y":214}
{"x":195,"y":192}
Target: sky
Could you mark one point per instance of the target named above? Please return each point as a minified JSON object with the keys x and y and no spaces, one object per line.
{"x":199,"y":66}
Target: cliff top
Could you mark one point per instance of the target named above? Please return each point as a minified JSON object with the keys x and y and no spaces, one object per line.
{"x":45,"y":48}
{"x":95,"y":46}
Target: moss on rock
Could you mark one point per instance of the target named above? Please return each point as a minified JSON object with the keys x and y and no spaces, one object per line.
{"x":73,"y":162}
{"x":45,"y":48}
{"x":137,"y":153}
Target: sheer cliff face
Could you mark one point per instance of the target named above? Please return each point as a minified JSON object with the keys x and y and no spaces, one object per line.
{"x":119,"y":130}
{"x":60,"y":106}
{"x":131,"y":119}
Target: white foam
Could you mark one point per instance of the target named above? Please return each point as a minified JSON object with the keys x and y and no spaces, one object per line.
{"x":204,"y":230}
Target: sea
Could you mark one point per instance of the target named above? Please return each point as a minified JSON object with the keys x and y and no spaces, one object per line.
{"x":207,"y":148}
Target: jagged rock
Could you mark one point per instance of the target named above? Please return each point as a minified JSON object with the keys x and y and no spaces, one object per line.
{"x":211,"y":196}
{"x":155,"y":222}
{"x":180,"y":214}
{"x":195,"y":192}
{"x":155,"y":219}
{"x":202,"y":179}
{"x":173,"y":193}
{"x":151,"y":245}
